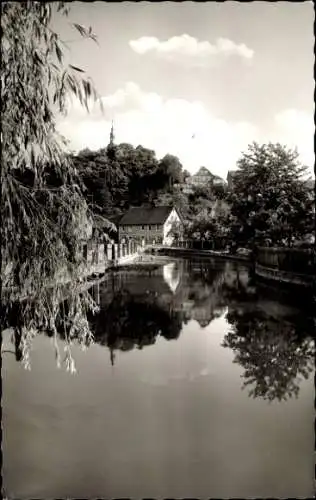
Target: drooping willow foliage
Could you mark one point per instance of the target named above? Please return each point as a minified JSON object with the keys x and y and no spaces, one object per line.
{"x":43,"y":214}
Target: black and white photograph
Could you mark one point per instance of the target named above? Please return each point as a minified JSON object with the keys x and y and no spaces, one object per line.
{"x":158,"y":284}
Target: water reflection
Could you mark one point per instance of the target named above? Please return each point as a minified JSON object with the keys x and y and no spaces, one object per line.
{"x":273,"y":352}
{"x":130,"y":321}
{"x":135,"y":310}
{"x":271,"y":338}
{"x":172,"y":276}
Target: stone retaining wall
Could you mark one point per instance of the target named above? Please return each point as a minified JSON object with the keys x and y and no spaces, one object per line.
{"x":291,"y":266}
{"x":284,"y":277}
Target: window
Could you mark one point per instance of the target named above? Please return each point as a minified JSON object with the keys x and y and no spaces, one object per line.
{"x":143,"y":227}
{"x":149,"y":227}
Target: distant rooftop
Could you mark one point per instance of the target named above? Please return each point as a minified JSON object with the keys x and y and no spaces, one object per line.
{"x":145,"y":215}
{"x":203,"y":171}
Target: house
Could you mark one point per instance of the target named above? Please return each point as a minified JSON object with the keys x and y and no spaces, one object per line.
{"x":149,"y":225}
{"x":202,"y":178}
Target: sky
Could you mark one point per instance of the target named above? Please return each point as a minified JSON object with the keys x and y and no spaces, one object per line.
{"x":197,"y":80}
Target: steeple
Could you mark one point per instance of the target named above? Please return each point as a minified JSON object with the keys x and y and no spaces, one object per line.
{"x":112,"y":355}
{"x":111,"y":146}
{"x":112,"y":135}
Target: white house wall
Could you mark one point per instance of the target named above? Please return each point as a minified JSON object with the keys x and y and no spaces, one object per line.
{"x":172,"y":218}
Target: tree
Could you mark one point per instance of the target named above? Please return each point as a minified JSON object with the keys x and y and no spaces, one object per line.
{"x":129,"y":176}
{"x":171,"y":167}
{"x":105,"y":184}
{"x":174,"y":199}
{"x":273,"y":352}
{"x":44,"y":215}
{"x":270,"y":198}
{"x":185,"y":175}
{"x":129,"y":322}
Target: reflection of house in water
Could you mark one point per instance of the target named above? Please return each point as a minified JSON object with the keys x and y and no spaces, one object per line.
{"x":171,"y":275}
{"x":162,"y":284}
{"x":205,"y":300}
{"x":145,"y":302}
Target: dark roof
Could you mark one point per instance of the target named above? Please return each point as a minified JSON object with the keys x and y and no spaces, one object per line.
{"x":145,"y":215}
{"x":115,"y":219}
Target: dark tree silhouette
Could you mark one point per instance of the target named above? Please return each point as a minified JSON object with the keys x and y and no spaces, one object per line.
{"x":128,"y":322}
{"x":274,"y":353}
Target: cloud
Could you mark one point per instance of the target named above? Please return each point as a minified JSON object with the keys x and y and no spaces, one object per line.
{"x":186,"y":48}
{"x":296,"y":128}
{"x":168,"y":126}
{"x":131,"y":97}
{"x":165,"y":125}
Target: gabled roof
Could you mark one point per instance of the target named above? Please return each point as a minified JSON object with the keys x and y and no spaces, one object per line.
{"x":203,"y":171}
{"x":145,"y":215}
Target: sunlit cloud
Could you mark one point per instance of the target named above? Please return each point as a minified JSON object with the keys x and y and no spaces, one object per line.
{"x":187,"y":129}
{"x":185,"y":48}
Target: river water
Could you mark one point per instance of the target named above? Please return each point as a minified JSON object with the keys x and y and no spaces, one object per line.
{"x":199,"y":384}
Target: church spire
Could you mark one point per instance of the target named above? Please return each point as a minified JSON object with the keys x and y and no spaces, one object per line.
{"x":112,"y":135}
{"x":112,"y":356}
{"x":111,"y":145}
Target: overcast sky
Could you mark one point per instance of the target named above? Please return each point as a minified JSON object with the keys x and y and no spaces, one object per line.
{"x":198,"y":80}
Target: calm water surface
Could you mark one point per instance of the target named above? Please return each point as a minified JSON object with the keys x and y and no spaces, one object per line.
{"x":199,"y":384}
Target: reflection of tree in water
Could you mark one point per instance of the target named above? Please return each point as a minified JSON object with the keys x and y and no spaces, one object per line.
{"x":238,"y":285}
{"x":203,"y":289}
{"x":140,"y":307}
{"x":273,"y":352}
{"x":129,"y":321}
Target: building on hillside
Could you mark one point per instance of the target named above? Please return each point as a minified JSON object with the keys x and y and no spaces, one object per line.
{"x":202,"y":178}
{"x":230,"y":178}
{"x":148,"y":225}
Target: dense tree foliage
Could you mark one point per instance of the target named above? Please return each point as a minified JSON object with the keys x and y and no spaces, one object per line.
{"x":271,"y":200}
{"x":130,"y":321}
{"x":43,"y":213}
{"x":121,"y":176}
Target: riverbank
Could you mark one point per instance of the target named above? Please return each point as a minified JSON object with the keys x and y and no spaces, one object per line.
{"x":191,"y":252}
{"x":277,"y":276}
{"x":90,"y":274}
{"x":284,"y":278}
{"x":291,"y":267}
